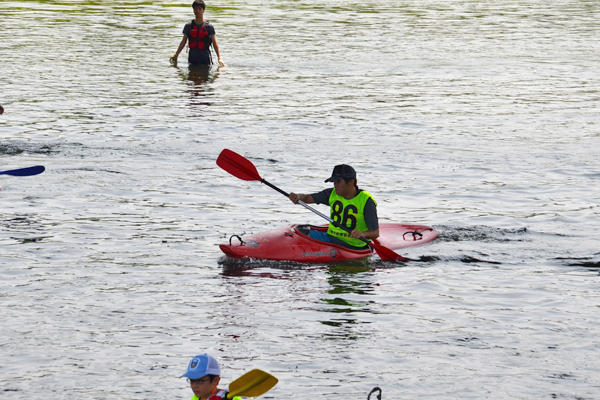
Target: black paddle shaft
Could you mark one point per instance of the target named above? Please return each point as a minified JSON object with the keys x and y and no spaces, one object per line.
{"x":283,"y":192}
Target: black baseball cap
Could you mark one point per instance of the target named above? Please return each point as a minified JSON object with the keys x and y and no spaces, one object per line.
{"x":342,"y":171}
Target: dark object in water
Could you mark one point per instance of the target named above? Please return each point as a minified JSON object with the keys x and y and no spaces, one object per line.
{"x":374,"y":390}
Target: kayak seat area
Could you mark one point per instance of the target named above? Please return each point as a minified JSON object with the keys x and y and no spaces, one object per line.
{"x":303,"y":229}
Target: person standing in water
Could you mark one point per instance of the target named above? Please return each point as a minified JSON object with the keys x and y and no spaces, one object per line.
{"x":201,"y":35}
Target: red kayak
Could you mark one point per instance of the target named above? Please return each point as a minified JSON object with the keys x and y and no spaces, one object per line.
{"x":292,"y":243}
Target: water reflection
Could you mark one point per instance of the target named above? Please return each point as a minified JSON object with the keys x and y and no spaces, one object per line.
{"x":201,"y":77}
{"x":340,"y":277}
{"x":248,"y":267}
{"x":346,"y":279}
{"x":345,"y":282}
{"x":23,"y":228}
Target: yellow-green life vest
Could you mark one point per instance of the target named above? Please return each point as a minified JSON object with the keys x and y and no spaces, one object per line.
{"x":348,"y":213}
{"x":221,"y":393}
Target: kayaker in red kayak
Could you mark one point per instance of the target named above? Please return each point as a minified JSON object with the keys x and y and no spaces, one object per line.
{"x":204,"y":374}
{"x":351,"y":207}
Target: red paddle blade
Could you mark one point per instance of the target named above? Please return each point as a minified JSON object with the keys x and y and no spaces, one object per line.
{"x":386,"y":254}
{"x":238,"y":166}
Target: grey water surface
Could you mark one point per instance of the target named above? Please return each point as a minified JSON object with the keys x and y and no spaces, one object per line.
{"x":479,"y":118}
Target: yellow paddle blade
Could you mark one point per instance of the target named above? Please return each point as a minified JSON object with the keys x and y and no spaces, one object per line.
{"x":252,"y":384}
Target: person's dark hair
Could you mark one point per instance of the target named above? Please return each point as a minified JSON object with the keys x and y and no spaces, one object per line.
{"x":351,"y":179}
{"x":199,"y":3}
{"x":212,"y":377}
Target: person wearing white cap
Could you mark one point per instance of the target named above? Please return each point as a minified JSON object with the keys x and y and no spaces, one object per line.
{"x":204,"y":374}
{"x":351,"y":207}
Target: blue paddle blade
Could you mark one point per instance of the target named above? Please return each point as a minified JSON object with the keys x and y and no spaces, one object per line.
{"x":38,"y":169}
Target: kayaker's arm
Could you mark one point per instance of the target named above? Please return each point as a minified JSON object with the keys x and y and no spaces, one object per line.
{"x":370,"y":234}
{"x":307,"y":198}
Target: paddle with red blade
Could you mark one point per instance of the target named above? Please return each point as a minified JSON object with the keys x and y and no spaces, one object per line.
{"x":25,"y":171}
{"x":242,"y":168}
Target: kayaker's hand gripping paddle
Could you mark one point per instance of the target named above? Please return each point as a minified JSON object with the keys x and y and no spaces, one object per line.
{"x":242,"y":168}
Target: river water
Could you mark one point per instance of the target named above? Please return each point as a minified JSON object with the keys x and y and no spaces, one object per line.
{"x":478,"y":118}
